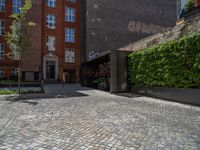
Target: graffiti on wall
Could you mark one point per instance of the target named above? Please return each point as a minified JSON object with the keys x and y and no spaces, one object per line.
{"x":140,"y":27}
{"x":100,"y":76}
{"x":92,"y":55}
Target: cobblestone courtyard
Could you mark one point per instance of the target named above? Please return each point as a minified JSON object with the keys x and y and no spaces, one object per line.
{"x":79,"y":118}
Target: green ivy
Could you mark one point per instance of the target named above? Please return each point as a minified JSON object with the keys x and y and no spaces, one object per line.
{"x":173,"y":64}
{"x":189,"y":5}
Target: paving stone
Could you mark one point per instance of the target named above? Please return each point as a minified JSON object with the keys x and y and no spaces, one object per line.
{"x":81,"y":118}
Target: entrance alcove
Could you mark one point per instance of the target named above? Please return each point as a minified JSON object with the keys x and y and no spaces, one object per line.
{"x":50,"y":66}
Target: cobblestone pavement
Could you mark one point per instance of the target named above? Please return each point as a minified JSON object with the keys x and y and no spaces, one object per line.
{"x":83,"y":118}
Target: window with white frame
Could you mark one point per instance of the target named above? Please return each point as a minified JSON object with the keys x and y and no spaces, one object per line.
{"x":14,"y":72}
{"x":1,"y":51}
{"x":51,"y":42}
{"x":69,"y":55}
{"x":16,"y":5}
{"x":2,"y":5}
{"x":70,"y":14}
{"x":1,"y":73}
{"x":51,"y":21}
{"x":70,"y":35}
{"x":73,"y":1}
{"x":51,"y":3}
{"x":2,"y":27}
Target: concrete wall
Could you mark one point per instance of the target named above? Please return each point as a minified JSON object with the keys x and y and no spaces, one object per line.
{"x":189,"y":96}
{"x":111,"y":24}
{"x":119,"y":76}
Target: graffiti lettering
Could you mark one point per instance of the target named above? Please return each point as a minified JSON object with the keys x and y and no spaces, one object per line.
{"x":140,"y":27}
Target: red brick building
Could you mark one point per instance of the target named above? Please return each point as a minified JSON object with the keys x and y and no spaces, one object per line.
{"x":54,"y":52}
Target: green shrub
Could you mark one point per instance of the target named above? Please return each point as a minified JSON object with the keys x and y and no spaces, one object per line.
{"x":173,"y":64}
{"x":189,"y":5}
{"x":7,"y":81}
{"x":7,"y":92}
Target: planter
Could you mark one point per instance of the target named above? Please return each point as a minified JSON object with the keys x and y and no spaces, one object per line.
{"x":189,"y":96}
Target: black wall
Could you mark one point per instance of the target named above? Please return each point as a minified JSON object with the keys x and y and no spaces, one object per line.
{"x":111,"y":24}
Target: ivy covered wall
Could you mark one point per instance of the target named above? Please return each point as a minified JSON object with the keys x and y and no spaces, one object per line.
{"x":173,"y":64}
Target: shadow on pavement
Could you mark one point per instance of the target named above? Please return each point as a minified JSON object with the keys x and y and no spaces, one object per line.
{"x":51,"y":91}
{"x":128,"y":95}
{"x":34,"y":99}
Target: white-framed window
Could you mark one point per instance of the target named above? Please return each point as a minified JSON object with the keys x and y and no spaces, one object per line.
{"x":73,"y":1}
{"x":1,"y":73}
{"x":70,"y":35}
{"x":2,"y":5}
{"x":51,"y":21}
{"x":1,"y":51}
{"x":69,"y":55}
{"x":70,"y":14}
{"x":14,"y":71}
{"x":2,"y":27}
{"x":51,"y":3}
{"x":51,"y":43}
{"x":16,"y":5}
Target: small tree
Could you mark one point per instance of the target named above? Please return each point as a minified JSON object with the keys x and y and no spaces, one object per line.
{"x":17,"y":38}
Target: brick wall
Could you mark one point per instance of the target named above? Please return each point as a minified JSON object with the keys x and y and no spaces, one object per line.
{"x":198,"y":3}
{"x":111,"y":24}
{"x":185,"y":29}
{"x":31,"y":58}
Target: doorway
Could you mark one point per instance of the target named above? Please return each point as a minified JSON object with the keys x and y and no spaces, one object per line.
{"x":50,"y":70}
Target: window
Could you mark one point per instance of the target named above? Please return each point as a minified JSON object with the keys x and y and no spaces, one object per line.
{"x":1,"y":73}
{"x":2,"y":5}
{"x":70,"y":14}
{"x":73,"y":1}
{"x":69,"y":56}
{"x":14,"y":72}
{"x":16,"y":5}
{"x":51,"y":21}
{"x":70,"y":35}
{"x":2,"y":27}
{"x":1,"y":51}
{"x":51,"y":3}
{"x":51,"y":42}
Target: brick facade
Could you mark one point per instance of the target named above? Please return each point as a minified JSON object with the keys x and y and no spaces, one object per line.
{"x":31,"y":57}
{"x":6,"y":64}
{"x":71,"y":69}
{"x":34,"y":59}
{"x":198,"y":3}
